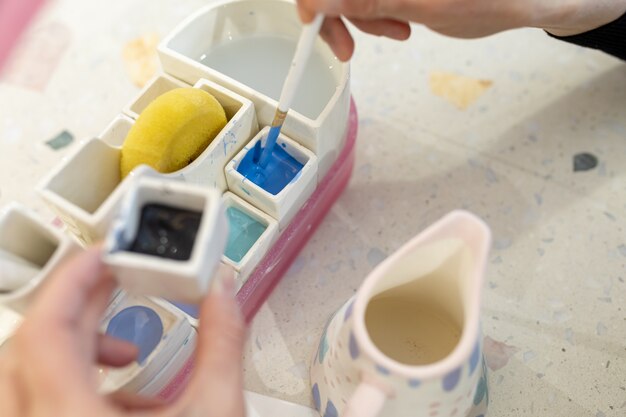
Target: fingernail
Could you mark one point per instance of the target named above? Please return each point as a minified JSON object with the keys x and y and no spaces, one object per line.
{"x":224,"y":282}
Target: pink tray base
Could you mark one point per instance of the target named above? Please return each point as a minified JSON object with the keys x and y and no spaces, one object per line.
{"x":273,"y":266}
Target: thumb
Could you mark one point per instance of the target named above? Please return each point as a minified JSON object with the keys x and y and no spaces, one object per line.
{"x":216,"y":387}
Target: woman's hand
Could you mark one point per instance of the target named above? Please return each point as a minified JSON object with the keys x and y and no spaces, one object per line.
{"x":458,"y":18}
{"x":47,"y":368}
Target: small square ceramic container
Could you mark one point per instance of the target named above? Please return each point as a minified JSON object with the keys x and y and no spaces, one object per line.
{"x":184,"y":279}
{"x":161,"y":333}
{"x":86,"y":189}
{"x":115,"y":133}
{"x":208,"y":168}
{"x":30,"y":251}
{"x":284,"y":205}
{"x":159,"y":85}
{"x":238,"y":44}
{"x":245,"y":254}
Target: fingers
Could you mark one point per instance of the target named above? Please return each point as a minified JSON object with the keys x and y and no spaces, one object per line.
{"x":69,"y":293}
{"x":221,"y":332}
{"x":63,"y":321}
{"x":115,"y":352}
{"x":216,"y":387}
{"x":390,"y":28}
{"x":306,"y":15}
{"x":366,"y":9}
{"x":336,"y":34}
{"x":134,"y":402}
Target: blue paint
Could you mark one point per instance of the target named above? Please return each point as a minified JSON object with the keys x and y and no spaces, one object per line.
{"x":331,"y":410}
{"x":316,"y":397}
{"x":191,"y":309}
{"x":323,"y":348}
{"x":414,"y":383}
{"x":270,"y":144}
{"x":281,"y":169}
{"x":243,"y":232}
{"x":348,"y":312}
{"x":473,"y":362}
{"x":353,"y":347}
{"x":382,"y":370}
{"x":139,"y":325}
{"x":451,"y":380}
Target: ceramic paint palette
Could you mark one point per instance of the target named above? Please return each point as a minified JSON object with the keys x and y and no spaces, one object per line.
{"x":86,"y":190}
{"x":268,"y":227}
{"x":165,"y":338}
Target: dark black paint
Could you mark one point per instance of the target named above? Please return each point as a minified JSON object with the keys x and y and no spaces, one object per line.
{"x":166,"y":232}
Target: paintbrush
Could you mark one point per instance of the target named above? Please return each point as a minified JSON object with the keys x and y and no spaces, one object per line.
{"x":294,"y":76}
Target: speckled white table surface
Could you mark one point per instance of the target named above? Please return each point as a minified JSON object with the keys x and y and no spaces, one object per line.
{"x":554,"y":310}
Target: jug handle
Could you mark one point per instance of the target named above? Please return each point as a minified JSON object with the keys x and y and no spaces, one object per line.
{"x":367,"y":401}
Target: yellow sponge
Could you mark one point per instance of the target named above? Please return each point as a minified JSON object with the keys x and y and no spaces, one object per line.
{"x":173,"y":131}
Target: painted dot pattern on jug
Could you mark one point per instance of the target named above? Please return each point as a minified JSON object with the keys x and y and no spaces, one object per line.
{"x":348,"y":312}
{"x":414,"y":383}
{"x":474,"y":358}
{"x":382,"y":370}
{"x":482,"y":390}
{"x":331,"y":410}
{"x":353,"y":347}
{"x":451,"y":380}
{"x":315,"y":391}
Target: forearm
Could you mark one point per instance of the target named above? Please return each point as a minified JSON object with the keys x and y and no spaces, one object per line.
{"x":572,"y":17}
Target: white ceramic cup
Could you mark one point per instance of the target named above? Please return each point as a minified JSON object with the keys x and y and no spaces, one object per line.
{"x":409,"y":342}
{"x":229,"y":21}
{"x":26,"y":239}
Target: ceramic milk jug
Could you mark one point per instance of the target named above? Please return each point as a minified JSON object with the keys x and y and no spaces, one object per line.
{"x":409,"y":342}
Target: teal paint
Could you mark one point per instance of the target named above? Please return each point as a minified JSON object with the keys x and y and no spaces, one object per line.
{"x":244,"y":231}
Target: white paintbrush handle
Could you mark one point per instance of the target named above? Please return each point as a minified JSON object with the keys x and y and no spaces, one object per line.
{"x":300,"y":59}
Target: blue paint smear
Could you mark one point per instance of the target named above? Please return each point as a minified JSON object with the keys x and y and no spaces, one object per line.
{"x":281,"y":169}
{"x":191,"y":309}
{"x":473,"y":362}
{"x":139,"y":325}
{"x":451,"y":380}
{"x":243,"y":232}
{"x":270,"y":144}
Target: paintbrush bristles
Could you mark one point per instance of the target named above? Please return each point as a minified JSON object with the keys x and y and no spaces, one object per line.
{"x":279,"y":118}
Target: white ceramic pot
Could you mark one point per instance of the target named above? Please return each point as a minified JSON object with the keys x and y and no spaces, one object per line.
{"x":186,"y":279}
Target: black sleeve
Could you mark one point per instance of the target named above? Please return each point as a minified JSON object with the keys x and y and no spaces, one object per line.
{"x":610,"y":38}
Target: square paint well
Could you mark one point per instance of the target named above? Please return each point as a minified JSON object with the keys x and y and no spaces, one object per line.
{"x":243,"y":233}
{"x":281,"y":168}
{"x":167,"y":232}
